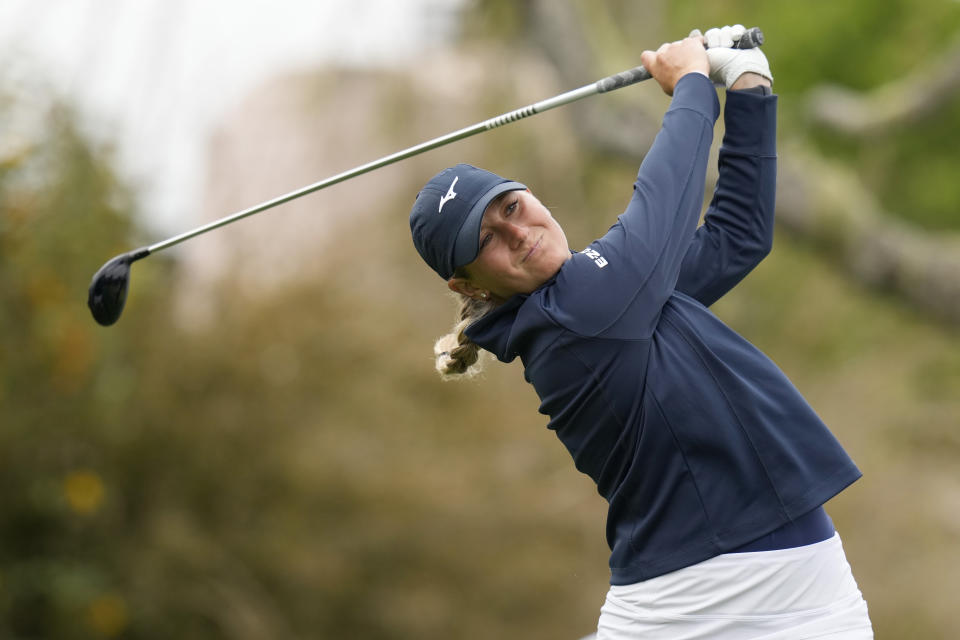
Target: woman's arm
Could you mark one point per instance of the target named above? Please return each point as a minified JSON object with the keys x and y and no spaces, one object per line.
{"x":622,"y":280}
{"x":738,"y":227}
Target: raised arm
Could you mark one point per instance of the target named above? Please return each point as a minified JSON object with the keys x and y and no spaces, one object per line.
{"x":738,"y":227}
{"x":622,"y":280}
{"x":737,"y":232}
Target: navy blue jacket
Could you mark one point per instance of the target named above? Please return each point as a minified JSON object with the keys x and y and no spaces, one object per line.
{"x":696,"y":439}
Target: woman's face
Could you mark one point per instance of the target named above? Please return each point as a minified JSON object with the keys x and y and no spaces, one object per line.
{"x":521,"y":247}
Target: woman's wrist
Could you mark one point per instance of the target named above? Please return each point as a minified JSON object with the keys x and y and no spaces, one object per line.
{"x":748,"y":80}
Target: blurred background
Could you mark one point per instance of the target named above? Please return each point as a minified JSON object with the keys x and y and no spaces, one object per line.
{"x":260,"y":447}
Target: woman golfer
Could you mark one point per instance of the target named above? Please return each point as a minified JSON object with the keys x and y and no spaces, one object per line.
{"x":714,"y":467}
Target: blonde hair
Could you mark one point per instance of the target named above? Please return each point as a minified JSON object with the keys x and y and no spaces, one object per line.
{"x":456,"y":354}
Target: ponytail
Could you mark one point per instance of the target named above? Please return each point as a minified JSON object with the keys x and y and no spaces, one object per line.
{"x":456,"y":354}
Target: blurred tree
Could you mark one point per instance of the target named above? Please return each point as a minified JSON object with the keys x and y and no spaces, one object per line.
{"x":60,"y":204}
{"x":858,"y":198}
{"x":297,"y":471}
{"x":283,"y":479}
{"x":877,"y":210}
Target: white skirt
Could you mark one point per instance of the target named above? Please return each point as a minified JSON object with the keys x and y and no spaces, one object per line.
{"x":804,"y":592}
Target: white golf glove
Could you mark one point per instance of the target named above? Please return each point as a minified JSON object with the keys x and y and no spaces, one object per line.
{"x":727,"y":64}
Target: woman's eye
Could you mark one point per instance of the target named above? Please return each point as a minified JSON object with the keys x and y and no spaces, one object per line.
{"x":511,"y":207}
{"x":485,"y":240}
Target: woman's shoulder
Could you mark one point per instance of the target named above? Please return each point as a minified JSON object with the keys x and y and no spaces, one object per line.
{"x":595,"y":291}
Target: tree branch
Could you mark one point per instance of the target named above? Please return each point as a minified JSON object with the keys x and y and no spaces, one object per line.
{"x":825,"y":203}
{"x":603,"y":125}
{"x":897,"y":103}
{"x":816,"y":199}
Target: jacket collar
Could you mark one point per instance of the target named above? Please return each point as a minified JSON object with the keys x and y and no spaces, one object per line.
{"x":498,"y":330}
{"x":494,"y":331}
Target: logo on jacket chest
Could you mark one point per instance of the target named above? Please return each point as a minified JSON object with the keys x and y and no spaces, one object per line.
{"x":598,"y":259}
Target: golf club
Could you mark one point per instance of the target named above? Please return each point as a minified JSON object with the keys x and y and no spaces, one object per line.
{"x":108,"y":289}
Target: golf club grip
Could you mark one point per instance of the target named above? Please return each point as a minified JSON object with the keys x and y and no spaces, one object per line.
{"x":623,"y":79}
{"x":750,"y":39}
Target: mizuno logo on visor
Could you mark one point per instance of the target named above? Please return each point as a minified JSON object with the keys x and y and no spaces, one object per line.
{"x":451,"y":194}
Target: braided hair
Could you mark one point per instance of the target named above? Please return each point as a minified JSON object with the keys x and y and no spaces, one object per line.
{"x":456,"y":354}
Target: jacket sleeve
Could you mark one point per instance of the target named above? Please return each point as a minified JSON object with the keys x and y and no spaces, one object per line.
{"x":622,"y":280}
{"x":737,"y":232}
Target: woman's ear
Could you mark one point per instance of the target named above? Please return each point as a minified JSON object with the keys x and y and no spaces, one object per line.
{"x":464,"y":287}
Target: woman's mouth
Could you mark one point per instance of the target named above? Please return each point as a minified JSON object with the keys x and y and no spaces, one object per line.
{"x":535,"y":246}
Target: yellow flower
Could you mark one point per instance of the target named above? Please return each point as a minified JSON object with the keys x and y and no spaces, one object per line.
{"x":84,"y":491}
{"x":107,"y":615}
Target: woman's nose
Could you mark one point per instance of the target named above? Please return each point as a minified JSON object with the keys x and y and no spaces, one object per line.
{"x":517,"y":234}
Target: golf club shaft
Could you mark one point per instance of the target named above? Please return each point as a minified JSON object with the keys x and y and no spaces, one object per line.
{"x":752,"y":38}
{"x":615,"y":82}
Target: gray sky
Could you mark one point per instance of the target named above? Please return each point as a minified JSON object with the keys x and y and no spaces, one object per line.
{"x":155,"y":75}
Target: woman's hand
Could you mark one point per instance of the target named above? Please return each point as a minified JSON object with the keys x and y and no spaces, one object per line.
{"x":734,"y":68}
{"x":673,"y":60}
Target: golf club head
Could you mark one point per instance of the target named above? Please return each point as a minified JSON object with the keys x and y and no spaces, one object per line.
{"x":108,"y":289}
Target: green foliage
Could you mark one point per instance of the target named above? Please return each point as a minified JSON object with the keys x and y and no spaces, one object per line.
{"x":59,"y":205}
{"x":858,"y":43}
{"x":861,"y":45}
{"x":502,"y":21}
{"x":299,"y":475}
{"x":912,"y":170}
